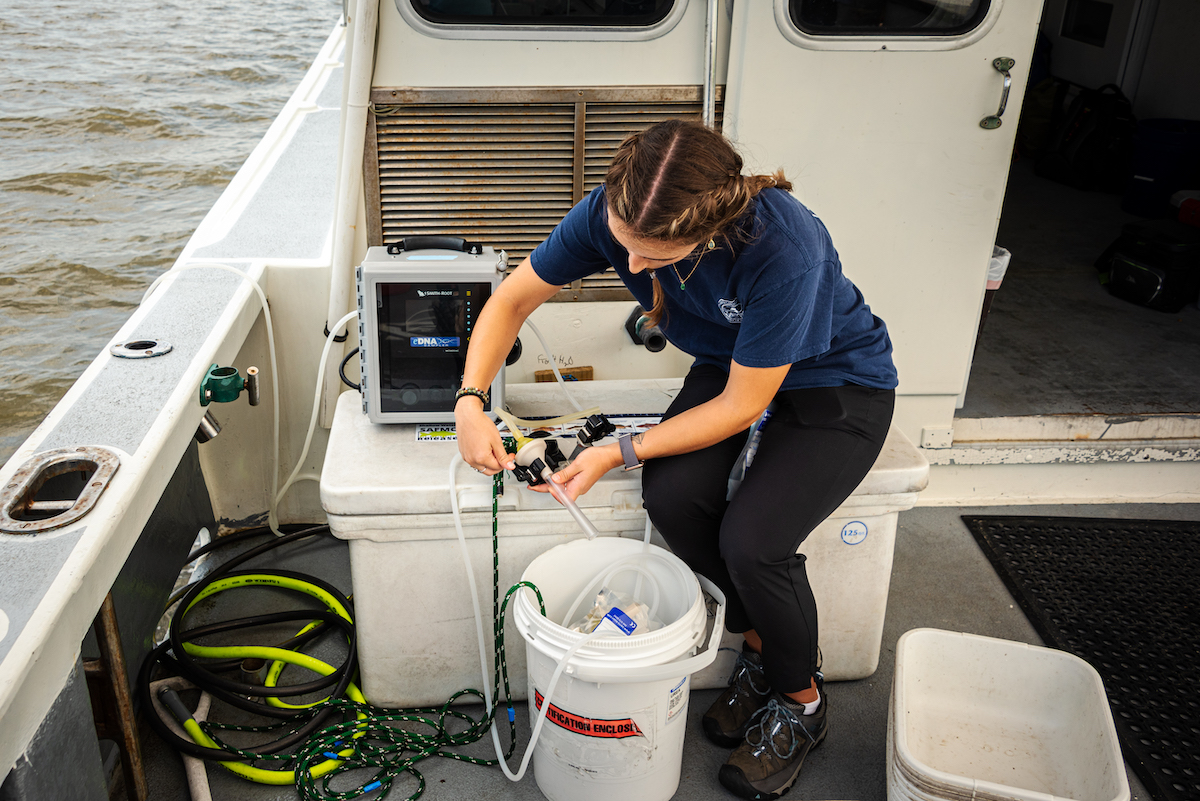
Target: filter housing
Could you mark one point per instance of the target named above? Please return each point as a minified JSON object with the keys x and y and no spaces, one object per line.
{"x":417,"y":308}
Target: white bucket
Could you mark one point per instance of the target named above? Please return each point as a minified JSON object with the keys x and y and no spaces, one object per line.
{"x":618,"y":712}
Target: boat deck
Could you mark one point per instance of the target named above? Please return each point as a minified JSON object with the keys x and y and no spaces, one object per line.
{"x":955,"y":590}
{"x":1055,"y":342}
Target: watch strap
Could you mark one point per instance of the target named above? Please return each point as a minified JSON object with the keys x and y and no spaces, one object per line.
{"x":631,"y":460}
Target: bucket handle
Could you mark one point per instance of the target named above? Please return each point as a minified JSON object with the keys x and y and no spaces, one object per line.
{"x":671,"y":670}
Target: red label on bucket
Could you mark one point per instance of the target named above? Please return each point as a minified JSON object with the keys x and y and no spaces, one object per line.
{"x":589,"y":727}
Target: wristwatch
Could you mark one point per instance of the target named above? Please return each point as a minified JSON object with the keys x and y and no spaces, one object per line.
{"x":631,"y":460}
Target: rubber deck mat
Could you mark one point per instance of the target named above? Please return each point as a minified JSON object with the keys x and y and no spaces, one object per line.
{"x":1122,"y":595}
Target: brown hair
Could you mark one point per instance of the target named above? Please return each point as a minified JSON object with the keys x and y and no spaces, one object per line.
{"x":680,"y":181}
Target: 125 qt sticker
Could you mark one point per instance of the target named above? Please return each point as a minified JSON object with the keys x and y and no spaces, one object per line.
{"x":854,"y":532}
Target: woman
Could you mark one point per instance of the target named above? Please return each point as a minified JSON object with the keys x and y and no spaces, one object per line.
{"x":740,"y":275}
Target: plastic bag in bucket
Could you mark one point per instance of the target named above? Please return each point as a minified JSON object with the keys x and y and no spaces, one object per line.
{"x":617,"y":715}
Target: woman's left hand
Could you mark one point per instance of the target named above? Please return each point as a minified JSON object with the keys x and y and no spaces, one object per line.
{"x":588,"y":467}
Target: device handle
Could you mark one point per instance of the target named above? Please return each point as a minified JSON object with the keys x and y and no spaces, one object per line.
{"x":434,"y":243}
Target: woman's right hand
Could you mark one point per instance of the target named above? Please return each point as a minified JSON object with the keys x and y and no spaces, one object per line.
{"x":478,"y":440}
{"x":495,"y":331}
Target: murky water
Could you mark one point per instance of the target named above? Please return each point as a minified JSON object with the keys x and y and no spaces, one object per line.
{"x":120,"y":124}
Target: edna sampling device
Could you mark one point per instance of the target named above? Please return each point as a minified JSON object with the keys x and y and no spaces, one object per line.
{"x":418,"y":300}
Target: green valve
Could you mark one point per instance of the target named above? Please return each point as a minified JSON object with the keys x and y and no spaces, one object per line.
{"x":224,"y":384}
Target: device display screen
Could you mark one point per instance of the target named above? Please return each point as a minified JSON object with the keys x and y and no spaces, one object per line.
{"x":423,"y":333}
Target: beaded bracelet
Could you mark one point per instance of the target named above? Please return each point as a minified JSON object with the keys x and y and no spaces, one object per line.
{"x":478,"y":393}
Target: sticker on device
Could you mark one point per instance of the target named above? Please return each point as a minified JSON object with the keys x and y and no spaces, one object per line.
{"x":433,"y":342}
{"x":436,"y":433}
{"x":589,"y":727}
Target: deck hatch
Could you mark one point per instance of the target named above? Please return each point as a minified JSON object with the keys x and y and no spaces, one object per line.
{"x":503,"y":166}
{"x":55,"y":488}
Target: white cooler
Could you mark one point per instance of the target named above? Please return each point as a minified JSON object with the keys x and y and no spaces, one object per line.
{"x":388,"y":494}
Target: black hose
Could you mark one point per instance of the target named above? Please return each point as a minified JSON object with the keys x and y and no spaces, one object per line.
{"x":342,"y":371}
{"x":246,"y":556}
{"x":248,"y":534}
{"x":172,"y":657}
{"x":188,"y":666}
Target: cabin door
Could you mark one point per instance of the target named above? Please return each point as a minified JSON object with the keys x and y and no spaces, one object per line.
{"x":883,"y":113}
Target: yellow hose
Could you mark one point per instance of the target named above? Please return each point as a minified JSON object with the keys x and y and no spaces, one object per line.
{"x":281,"y":657}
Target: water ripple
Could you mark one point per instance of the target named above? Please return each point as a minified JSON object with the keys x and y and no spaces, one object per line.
{"x":120,"y":124}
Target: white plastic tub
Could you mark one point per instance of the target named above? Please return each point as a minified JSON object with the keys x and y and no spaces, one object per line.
{"x":980,"y":718}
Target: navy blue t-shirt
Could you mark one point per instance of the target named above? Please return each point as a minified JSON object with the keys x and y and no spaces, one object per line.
{"x":772,"y":294}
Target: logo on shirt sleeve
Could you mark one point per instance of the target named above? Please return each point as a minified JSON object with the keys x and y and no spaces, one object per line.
{"x":732,"y":310}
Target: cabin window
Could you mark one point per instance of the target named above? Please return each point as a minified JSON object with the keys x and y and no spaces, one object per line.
{"x":544,"y":12}
{"x":887,"y":17}
{"x":1087,"y":21}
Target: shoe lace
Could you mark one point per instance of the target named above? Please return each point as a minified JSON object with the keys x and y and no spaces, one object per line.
{"x":771,"y":719}
{"x":744,"y":669}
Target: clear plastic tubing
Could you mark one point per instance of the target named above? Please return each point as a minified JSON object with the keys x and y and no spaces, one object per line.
{"x":626,"y":565}
{"x":561,"y":497}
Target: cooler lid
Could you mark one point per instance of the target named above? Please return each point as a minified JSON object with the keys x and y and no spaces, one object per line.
{"x":373,"y":469}
{"x":900,"y":468}
{"x":403,"y":469}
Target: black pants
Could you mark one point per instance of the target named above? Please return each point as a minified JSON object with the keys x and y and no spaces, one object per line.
{"x":817,"y":447}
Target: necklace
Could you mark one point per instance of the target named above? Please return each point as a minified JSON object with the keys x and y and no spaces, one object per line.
{"x":683,"y":281}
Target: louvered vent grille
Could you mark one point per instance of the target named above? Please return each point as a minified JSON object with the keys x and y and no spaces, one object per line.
{"x":504,"y":173}
{"x":501,"y":175}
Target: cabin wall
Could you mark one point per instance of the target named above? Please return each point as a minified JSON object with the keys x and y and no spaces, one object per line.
{"x":587,"y":333}
{"x":915,"y":223}
{"x":1087,"y":51}
{"x":592,"y":335}
{"x":417,"y":60}
{"x":1147,"y":48}
{"x":1170,"y":78}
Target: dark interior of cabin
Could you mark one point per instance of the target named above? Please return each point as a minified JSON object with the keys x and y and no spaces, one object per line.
{"x":1096,"y":312}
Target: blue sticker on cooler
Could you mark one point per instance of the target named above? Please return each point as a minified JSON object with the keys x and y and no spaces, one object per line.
{"x":621,"y":620}
{"x":854,"y":532}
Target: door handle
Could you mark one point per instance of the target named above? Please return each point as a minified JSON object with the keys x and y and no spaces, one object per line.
{"x":1002,"y":65}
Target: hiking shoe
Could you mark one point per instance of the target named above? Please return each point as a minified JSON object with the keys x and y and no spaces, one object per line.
{"x":767,"y":763}
{"x":726,"y":720}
